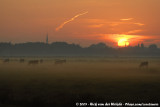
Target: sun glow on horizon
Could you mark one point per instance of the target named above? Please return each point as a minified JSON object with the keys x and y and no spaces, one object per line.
{"x":123,"y":42}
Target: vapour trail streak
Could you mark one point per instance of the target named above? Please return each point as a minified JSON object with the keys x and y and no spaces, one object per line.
{"x":73,"y":18}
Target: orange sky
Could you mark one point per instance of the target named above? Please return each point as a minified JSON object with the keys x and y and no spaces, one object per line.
{"x":106,"y":20}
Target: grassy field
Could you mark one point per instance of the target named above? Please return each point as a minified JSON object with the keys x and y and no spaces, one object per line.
{"x":80,"y":79}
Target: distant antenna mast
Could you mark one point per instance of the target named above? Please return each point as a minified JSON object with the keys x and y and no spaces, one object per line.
{"x":47,"y":39}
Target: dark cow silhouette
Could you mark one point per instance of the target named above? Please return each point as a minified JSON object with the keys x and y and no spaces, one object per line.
{"x":33,"y":62}
{"x":6,"y":60}
{"x":41,"y":61}
{"x":57,"y":62}
{"x":21,"y":60}
{"x":144,"y":64}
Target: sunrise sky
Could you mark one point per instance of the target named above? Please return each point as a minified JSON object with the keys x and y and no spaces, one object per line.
{"x":82,"y":22}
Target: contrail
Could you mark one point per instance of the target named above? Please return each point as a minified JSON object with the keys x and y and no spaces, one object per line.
{"x":61,"y":26}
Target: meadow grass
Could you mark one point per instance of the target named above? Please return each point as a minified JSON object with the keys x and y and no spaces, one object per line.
{"x":81,"y":79}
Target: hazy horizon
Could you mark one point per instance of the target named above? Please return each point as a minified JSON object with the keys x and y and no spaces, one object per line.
{"x":83,"y":22}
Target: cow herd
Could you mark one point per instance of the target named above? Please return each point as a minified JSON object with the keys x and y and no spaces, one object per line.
{"x":35,"y":61}
{"x":143,"y":64}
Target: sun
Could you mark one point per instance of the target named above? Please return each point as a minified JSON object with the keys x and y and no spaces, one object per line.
{"x":122,"y":42}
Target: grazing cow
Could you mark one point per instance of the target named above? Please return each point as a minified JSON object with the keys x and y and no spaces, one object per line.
{"x":41,"y":61}
{"x":57,"y":62}
{"x":6,"y":60}
{"x":21,"y":60}
{"x":33,"y":62}
{"x":143,"y":64}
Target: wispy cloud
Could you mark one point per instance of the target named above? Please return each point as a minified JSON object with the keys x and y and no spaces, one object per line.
{"x":127,"y":19}
{"x":139,"y":24}
{"x":72,"y":19}
{"x":133,"y":31}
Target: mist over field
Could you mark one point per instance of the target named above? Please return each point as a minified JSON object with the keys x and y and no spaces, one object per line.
{"x":80,"y":79}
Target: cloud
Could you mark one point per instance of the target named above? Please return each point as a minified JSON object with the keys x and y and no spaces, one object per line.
{"x":139,"y":24}
{"x":126,"y":19}
{"x":72,"y":19}
{"x":133,"y":31}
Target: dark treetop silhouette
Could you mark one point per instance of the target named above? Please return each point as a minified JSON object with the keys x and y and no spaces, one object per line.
{"x":65,"y":49}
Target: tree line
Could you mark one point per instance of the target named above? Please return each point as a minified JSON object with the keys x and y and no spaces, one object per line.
{"x":66,"y":49}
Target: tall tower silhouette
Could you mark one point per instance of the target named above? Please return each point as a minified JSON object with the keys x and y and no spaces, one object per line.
{"x":47,"y":39}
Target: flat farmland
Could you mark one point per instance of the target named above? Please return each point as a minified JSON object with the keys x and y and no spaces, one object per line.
{"x":79,"y":79}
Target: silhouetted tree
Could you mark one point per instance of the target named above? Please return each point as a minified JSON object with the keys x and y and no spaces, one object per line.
{"x":142,"y":45}
{"x":153,"y":46}
{"x":99,"y":45}
{"x":63,"y":49}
